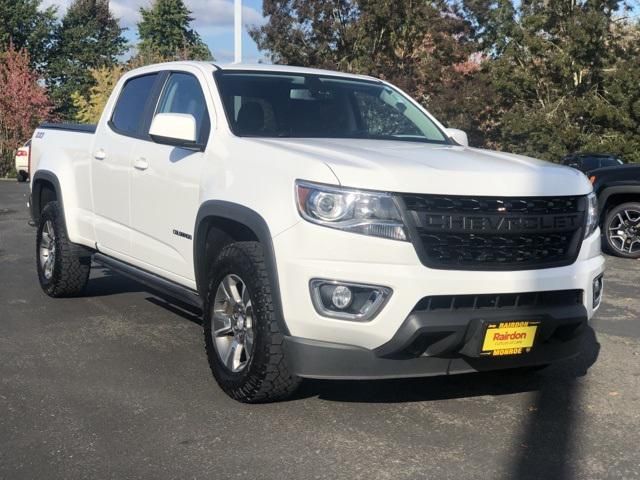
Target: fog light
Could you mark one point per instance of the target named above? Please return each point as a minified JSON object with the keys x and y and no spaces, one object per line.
{"x":348,"y":301}
{"x":341,"y":297}
{"x":598,"y":288}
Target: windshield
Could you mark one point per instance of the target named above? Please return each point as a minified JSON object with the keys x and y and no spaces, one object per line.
{"x":598,"y":161}
{"x":611,"y":162}
{"x":271,"y":104}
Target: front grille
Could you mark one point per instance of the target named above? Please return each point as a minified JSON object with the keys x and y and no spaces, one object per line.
{"x":492,"y":301}
{"x":495,"y":233}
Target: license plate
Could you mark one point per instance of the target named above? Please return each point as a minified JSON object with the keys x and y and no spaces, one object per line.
{"x":509,"y":338}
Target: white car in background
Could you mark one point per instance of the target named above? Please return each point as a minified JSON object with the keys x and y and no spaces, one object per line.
{"x":22,"y":162}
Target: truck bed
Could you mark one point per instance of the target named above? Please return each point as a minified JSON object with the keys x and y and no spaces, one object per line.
{"x":69,"y":144}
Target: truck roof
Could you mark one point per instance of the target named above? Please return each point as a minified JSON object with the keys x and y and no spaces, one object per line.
{"x":263,"y":67}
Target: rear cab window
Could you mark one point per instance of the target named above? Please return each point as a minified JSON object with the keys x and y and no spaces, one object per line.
{"x":129,"y":113}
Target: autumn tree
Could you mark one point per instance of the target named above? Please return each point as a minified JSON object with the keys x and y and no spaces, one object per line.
{"x":165,"y":32}
{"x":90,"y":109}
{"x":23,"y":103}
{"x":88,"y":37}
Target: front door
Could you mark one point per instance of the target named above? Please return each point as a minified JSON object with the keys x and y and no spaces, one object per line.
{"x":165,"y":187}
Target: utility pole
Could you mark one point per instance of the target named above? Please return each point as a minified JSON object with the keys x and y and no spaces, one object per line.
{"x":238,"y":31}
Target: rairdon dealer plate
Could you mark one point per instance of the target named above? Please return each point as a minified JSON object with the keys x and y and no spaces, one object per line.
{"x":509,"y":338}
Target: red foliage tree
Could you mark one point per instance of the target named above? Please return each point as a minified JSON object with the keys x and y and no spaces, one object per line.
{"x":24,"y":103}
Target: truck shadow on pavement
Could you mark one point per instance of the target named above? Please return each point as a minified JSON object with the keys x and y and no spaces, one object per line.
{"x":104,"y":282}
{"x":553,"y":416}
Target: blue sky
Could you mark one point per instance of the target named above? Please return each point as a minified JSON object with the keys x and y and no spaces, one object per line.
{"x":213,"y":20}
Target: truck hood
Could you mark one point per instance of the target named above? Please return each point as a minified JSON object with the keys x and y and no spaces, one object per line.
{"x":410,"y":167}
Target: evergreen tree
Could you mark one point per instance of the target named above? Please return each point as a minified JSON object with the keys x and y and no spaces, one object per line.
{"x":554,"y":78}
{"x":494,"y":23}
{"x":88,"y":37}
{"x":308,"y":33}
{"x":24,"y":25}
{"x":165,"y":32}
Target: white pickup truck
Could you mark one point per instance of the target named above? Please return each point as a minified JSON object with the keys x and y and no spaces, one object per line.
{"x":326,"y":224}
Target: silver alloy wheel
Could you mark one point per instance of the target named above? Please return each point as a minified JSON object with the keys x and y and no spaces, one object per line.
{"x":47,"y":251}
{"x":624,"y":231}
{"x":232,"y":323}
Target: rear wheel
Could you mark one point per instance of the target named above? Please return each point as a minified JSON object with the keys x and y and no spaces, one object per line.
{"x":242,"y":337}
{"x":622,"y":230}
{"x":63,"y":267}
{"x":22,"y":176}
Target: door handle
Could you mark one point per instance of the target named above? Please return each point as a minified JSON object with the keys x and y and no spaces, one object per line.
{"x":141,"y":164}
{"x":100,"y":155}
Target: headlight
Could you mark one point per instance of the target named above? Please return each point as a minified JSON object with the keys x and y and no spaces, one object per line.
{"x":368,"y":213}
{"x":592,"y":214}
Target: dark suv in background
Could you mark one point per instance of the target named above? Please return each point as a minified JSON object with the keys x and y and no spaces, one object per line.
{"x":618,"y":191}
{"x":591,"y":161}
{"x":617,"y":185}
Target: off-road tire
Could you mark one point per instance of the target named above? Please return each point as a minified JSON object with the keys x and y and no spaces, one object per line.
{"x":611,"y":215}
{"x":266,"y":377}
{"x":72,"y":262}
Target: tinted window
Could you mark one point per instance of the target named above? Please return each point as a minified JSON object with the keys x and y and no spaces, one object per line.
{"x":590,"y":163}
{"x":129,"y":111}
{"x":317,"y":106}
{"x":611,"y":162}
{"x":182,"y":94}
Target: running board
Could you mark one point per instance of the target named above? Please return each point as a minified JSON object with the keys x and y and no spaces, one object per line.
{"x":151,"y":280}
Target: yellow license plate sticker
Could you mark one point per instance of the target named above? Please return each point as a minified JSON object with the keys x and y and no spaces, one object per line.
{"x":509,"y":338}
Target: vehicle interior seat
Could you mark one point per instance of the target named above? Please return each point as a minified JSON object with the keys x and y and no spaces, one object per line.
{"x":250,"y":119}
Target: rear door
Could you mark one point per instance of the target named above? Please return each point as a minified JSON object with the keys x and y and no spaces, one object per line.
{"x":165,"y":185}
{"x":115,"y":147}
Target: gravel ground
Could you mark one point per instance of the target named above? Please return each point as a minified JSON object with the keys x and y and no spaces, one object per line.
{"x":116,"y":385}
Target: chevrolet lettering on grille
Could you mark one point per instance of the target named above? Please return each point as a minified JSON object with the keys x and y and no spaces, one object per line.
{"x":496,"y":223}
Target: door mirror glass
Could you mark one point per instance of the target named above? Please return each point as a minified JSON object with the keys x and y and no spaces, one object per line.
{"x":458,"y":136}
{"x":177,"y":129}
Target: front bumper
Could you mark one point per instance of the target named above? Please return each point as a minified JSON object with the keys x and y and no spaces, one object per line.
{"x":333,"y":361}
{"x":447,"y":344}
{"x":306,"y":251}
{"x":322,"y":347}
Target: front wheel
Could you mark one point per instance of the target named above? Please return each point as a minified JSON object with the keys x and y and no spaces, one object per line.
{"x":622,"y":230}
{"x":242,"y":337}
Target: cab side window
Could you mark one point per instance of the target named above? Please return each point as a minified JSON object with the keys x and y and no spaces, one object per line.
{"x":182,"y":94}
{"x":128,"y":114}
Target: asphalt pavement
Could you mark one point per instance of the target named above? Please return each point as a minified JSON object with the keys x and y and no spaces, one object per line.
{"x":115,"y":384}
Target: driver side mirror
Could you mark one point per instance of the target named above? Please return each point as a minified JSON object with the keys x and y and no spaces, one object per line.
{"x":178,"y":129}
{"x":458,"y":136}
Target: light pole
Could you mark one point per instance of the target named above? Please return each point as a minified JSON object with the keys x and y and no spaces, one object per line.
{"x":238,"y":31}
